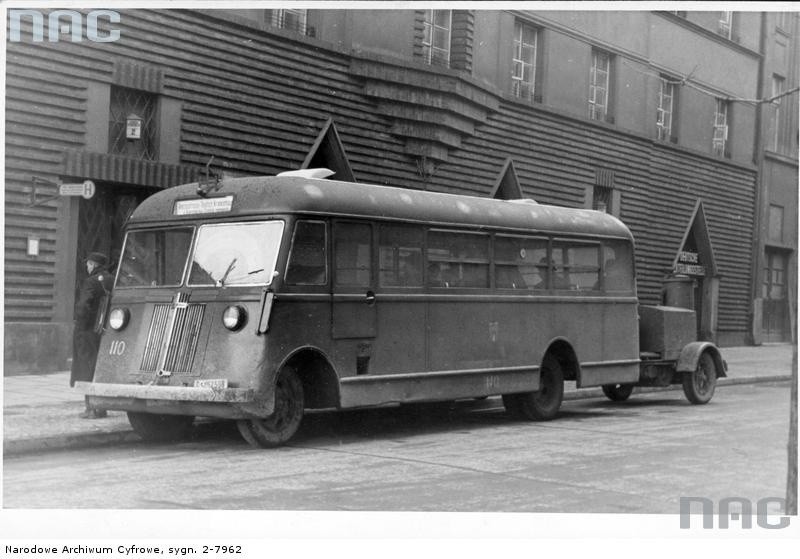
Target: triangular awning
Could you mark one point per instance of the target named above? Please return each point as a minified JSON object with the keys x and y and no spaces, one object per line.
{"x":696,"y":241}
{"x":507,"y":186}
{"x":328,"y":152}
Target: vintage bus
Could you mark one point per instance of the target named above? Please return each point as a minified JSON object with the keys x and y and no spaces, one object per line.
{"x":256,"y":299}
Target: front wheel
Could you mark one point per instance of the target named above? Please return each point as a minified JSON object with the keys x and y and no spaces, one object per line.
{"x":618,"y":392}
{"x":699,"y":385}
{"x":160,"y":427}
{"x":543,"y":404}
{"x":285,"y":420}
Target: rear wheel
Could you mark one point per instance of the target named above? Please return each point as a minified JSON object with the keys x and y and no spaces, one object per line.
{"x":617,"y":392}
{"x":543,"y":404}
{"x":160,"y":427}
{"x":281,"y":426}
{"x":699,"y":385}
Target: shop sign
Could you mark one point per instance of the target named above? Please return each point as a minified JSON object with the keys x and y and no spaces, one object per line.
{"x":689,"y":264}
{"x":85,"y":189}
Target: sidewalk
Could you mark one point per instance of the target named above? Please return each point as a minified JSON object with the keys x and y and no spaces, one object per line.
{"x":40,"y":412}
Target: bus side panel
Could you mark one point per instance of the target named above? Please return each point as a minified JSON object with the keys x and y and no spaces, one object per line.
{"x":298,"y":321}
{"x":464,"y":334}
{"x":608,"y":349}
{"x":400,"y":344}
{"x":490,"y":334}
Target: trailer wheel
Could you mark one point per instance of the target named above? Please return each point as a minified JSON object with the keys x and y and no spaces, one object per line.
{"x":160,"y":427}
{"x":699,"y":385}
{"x":543,"y":404}
{"x":617,"y":392}
{"x":282,"y":425}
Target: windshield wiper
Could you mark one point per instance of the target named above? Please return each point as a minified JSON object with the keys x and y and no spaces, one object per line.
{"x":231,"y":266}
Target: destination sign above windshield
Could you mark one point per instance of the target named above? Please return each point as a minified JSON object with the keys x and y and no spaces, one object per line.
{"x":203,"y":206}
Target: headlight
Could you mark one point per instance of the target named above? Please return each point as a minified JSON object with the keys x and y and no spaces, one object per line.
{"x":118,"y":318}
{"x":234,"y":317}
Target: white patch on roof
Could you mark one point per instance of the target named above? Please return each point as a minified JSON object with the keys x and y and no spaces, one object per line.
{"x":308,"y":173}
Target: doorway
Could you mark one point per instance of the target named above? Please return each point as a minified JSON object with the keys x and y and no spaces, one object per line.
{"x":101,"y":222}
{"x":775,"y":294}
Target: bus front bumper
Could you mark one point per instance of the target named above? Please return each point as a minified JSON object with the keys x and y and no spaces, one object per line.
{"x":229,"y":403}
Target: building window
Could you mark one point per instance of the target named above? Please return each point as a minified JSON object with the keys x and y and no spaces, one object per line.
{"x":523,"y":77}
{"x":436,"y":37}
{"x":775,"y":225}
{"x":721,"y":124}
{"x":776,"y":143}
{"x":725,"y":24}
{"x":774,"y":276}
{"x":599,"y":83}
{"x":128,"y":105}
{"x":782,"y":21}
{"x":665,"y":109}
{"x":293,"y":20}
{"x":601,"y":199}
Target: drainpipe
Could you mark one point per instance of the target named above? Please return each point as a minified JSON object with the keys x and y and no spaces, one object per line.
{"x":761,"y":193}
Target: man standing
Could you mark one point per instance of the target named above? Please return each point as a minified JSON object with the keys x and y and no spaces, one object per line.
{"x":86,"y":338}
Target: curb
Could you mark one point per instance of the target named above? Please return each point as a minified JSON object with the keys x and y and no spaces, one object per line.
{"x":91,"y":440}
{"x":68,"y":442}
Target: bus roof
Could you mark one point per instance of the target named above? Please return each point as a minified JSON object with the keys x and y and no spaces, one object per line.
{"x":258,"y":196}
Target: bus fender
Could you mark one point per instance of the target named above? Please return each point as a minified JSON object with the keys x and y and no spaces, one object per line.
{"x":320,"y":381}
{"x":564,"y":351}
{"x":690,"y":356}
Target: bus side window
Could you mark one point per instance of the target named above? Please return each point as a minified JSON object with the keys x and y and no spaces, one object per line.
{"x":517,"y":263}
{"x":577,"y":266}
{"x":353,"y":254}
{"x":458,"y":259}
{"x":307,"y":257}
{"x":618,"y":273}
{"x":400,"y":256}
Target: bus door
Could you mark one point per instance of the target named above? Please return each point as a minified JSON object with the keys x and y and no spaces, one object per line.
{"x":353,"y":316}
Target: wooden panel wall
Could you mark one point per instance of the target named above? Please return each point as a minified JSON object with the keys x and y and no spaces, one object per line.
{"x":256,"y":101}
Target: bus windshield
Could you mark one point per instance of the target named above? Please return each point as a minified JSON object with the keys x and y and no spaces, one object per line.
{"x":236,"y":254}
{"x":154,"y":258}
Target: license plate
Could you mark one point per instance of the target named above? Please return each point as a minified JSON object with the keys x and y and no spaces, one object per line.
{"x":216,"y":383}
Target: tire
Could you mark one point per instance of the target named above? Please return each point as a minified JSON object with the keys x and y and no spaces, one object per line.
{"x":543,"y":404}
{"x":617,"y":392}
{"x":699,"y":385}
{"x":282,"y":425}
{"x":160,"y":428}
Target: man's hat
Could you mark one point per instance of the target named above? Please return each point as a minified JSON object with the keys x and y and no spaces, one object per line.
{"x":97,"y":257}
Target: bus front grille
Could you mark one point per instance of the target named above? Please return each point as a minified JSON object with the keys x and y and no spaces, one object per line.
{"x":172,"y":339}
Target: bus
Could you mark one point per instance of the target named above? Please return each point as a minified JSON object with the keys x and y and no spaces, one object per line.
{"x":256,"y":299}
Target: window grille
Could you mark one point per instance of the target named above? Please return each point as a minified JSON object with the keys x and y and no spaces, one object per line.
{"x":665,"y":110}
{"x":725,"y":24}
{"x":126,"y":102}
{"x":775,"y":116}
{"x":720,"y":137}
{"x":599,"y":79}
{"x":293,"y":20}
{"x":523,"y":78}
{"x":436,"y":37}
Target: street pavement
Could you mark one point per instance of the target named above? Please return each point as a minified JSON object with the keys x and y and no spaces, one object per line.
{"x":41,"y":412}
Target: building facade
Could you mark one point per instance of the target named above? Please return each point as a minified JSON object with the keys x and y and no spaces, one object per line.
{"x":652,"y":116}
{"x":775,"y":252}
